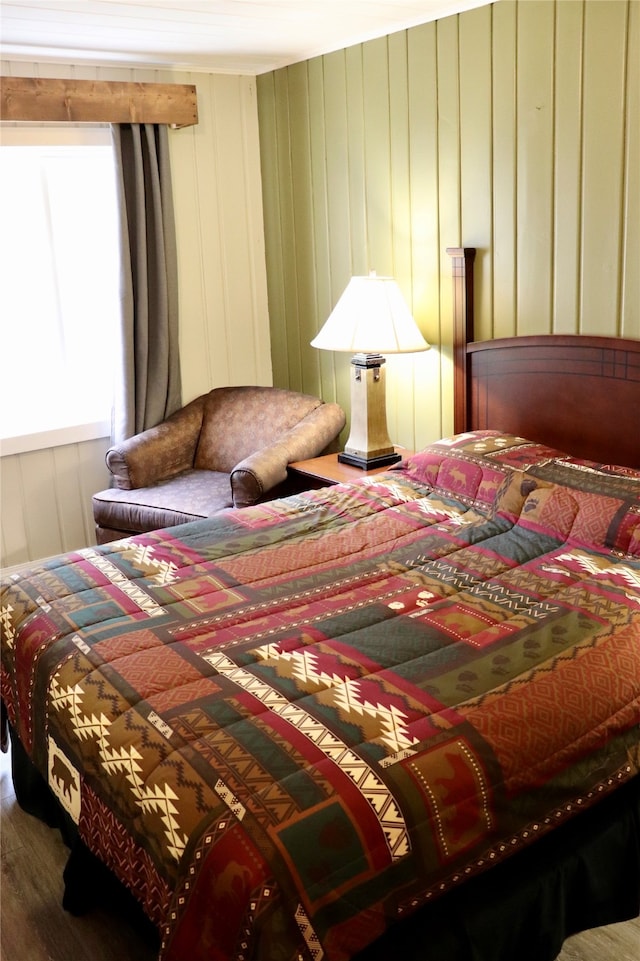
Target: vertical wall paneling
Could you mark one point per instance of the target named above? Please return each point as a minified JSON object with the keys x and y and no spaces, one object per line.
{"x":12,"y":513}
{"x":387,"y":197}
{"x":356,"y":223}
{"x":93,"y":476}
{"x":449,"y":192}
{"x":377,"y":155}
{"x":232,"y":98}
{"x":400,"y":368}
{"x":210,"y":345}
{"x":45,"y":499}
{"x":38,"y":493}
{"x":399,"y":373}
{"x":504,"y":252}
{"x":223,"y":304}
{"x":516,"y":125}
{"x":568,"y":134}
{"x":337,"y":226}
{"x":422,"y":109}
{"x":255,"y":279}
{"x":329,"y":208}
{"x":198,"y":350}
{"x":535,"y":51}
{"x":270,"y":150}
{"x":358,"y":217}
{"x":448,"y":136}
{"x":630,"y":274}
{"x":476,"y":154}
{"x":357,"y":238}
{"x":302,"y":227}
{"x":79,"y":470}
{"x":399,"y":159}
{"x":288,"y":239}
{"x":224,"y":322}
{"x":65,"y":468}
{"x":603,"y":159}
{"x":424,"y":227}
{"x":315,"y":245}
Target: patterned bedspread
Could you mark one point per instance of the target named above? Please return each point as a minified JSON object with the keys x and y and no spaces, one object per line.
{"x":287,"y":727}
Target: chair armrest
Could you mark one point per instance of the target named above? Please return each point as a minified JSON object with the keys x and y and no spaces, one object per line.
{"x":159,"y":452}
{"x":261,"y":471}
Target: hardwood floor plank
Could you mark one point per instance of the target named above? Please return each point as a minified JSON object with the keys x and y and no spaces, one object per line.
{"x":616,"y":942}
{"x":33,"y":924}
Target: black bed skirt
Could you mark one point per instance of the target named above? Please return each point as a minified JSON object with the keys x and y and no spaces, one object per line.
{"x":586,"y":874}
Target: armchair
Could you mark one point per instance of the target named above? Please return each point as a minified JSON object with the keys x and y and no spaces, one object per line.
{"x":228,"y":448}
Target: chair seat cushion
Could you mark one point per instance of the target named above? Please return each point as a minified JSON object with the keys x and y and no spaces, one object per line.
{"x":189,"y":496}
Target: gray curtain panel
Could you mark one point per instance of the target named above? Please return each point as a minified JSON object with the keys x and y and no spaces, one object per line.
{"x":148,"y":386}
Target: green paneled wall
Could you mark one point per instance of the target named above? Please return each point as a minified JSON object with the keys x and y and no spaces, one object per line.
{"x":512,"y":128}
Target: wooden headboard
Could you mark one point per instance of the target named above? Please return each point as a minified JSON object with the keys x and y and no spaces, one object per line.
{"x":577,"y":393}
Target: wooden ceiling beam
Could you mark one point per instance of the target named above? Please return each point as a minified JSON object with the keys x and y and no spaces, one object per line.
{"x":40,"y":100}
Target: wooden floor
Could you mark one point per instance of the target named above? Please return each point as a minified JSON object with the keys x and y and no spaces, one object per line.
{"x":34,"y":926}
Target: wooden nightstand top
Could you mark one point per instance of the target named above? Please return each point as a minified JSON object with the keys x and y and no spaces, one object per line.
{"x":328,"y":470}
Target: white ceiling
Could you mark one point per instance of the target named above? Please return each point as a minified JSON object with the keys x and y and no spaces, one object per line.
{"x":229,"y":36}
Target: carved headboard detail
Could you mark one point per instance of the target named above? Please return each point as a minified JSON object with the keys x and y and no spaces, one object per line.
{"x":577,"y":393}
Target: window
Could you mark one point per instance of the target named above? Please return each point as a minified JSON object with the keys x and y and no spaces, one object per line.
{"x":59,"y":284}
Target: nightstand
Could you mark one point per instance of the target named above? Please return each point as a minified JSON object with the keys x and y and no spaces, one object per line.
{"x":327,"y":470}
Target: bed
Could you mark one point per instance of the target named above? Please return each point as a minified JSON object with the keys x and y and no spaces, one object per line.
{"x":398,"y":718}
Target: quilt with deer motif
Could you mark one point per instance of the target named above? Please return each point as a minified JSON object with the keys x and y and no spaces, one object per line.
{"x":287,"y":727}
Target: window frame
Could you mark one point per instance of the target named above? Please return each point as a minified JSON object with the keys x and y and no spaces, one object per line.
{"x":46,"y":134}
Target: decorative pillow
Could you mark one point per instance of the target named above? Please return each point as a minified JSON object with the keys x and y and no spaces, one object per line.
{"x":471,"y":467}
{"x":581,"y":500}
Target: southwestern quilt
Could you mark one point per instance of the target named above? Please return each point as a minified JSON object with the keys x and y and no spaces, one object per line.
{"x":287,"y":727}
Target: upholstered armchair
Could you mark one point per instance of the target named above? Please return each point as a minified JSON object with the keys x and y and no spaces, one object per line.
{"x":228,"y":448}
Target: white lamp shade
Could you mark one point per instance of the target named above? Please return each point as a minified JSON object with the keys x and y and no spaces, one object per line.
{"x":371,"y":317}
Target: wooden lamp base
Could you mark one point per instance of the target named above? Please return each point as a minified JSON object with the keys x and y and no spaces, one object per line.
{"x":369,"y":445}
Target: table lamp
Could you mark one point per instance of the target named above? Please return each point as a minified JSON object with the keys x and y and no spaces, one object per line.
{"x":370,"y":319}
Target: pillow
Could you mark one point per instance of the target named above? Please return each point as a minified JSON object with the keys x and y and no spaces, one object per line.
{"x":594,"y":504}
{"x":471,"y":467}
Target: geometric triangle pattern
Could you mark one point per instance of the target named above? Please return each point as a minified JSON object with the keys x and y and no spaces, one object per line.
{"x":365,"y":779}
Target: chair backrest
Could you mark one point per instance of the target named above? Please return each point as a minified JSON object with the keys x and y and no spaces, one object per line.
{"x":238,"y":421}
